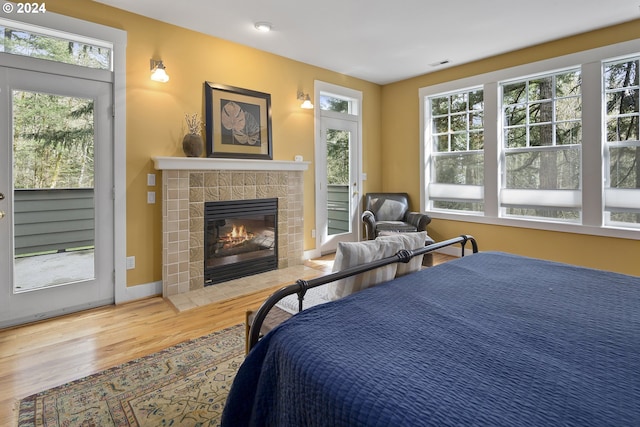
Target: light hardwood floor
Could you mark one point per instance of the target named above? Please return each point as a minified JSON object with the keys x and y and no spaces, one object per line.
{"x":49,"y":353}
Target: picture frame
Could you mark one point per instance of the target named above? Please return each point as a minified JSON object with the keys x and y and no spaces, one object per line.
{"x":237,"y":122}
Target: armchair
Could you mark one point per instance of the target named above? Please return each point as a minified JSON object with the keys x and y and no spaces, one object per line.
{"x":389,"y":212}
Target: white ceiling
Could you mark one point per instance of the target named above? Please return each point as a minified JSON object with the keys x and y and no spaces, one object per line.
{"x":384,"y":41}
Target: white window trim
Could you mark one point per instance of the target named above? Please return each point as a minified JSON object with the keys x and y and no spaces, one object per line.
{"x":593,"y":194}
{"x":355,"y":115}
{"x":118,"y":39}
{"x":58,"y":34}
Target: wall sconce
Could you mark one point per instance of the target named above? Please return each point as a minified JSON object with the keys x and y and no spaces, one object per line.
{"x":158,"y":73}
{"x":306,"y":104}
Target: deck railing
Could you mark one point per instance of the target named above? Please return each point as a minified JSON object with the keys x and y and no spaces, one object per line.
{"x":53,"y":219}
{"x":338,"y":209}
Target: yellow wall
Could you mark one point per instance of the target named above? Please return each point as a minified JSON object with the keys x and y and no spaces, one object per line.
{"x":155,"y":112}
{"x":401,"y":146}
{"x":155,"y":126}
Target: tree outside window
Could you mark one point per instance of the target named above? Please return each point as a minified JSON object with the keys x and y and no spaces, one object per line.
{"x":542,"y":134}
{"x":622,"y":91}
{"x":457,"y":144}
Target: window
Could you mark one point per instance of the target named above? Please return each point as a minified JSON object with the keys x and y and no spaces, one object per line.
{"x":24,"y":40}
{"x":339,"y":104}
{"x":622,"y":148}
{"x":551,"y":145}
{"x":456,"y":146}
{"x":541,"y":134}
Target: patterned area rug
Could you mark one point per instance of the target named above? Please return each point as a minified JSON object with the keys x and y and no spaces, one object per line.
{"x":184,"y":385}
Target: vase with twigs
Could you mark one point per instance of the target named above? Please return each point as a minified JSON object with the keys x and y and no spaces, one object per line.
{"x":192,"y":141}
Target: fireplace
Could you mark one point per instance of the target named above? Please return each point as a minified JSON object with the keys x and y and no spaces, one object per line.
{"x":188,"y":183}
{"x":241,"y":238}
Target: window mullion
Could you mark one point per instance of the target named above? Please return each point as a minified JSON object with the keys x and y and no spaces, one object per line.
{"x":492,"y":148}
{"x":592,"y":140}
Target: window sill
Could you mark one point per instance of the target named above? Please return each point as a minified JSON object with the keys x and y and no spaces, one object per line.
{"x":620,"y":233}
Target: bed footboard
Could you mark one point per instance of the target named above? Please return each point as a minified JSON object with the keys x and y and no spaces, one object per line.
{"x":301,"y":286}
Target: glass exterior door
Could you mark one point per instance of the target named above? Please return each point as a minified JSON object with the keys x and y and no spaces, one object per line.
{"x":56,"y":183}
{"x":341,"y":196}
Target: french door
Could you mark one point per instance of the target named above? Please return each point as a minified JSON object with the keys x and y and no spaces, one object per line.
{"x":56,"y":202}
{"x":338,"y":188}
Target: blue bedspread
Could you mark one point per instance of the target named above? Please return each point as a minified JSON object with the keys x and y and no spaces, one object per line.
{"x":487,"y":340}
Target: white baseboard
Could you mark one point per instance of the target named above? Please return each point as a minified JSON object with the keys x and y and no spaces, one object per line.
{"x":451,"y":251}
{"x":455,"y":251}
{"x":311,"y":254}
{"x":131,"y":293}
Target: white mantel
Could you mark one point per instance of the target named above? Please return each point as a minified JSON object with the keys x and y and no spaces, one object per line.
{"x":207,"y":163}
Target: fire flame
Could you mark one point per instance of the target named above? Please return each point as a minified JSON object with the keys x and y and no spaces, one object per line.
{"x":238,"y":232}
{"x":237,"y":236}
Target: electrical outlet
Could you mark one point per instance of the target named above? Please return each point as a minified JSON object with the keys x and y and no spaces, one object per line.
{"x":131,"y":262}
{"x":313,"y":233}
{"x":151,"y":179}
{"x":151,"y":197}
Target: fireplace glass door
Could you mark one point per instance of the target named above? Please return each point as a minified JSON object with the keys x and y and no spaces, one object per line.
{"x":241,"y":239}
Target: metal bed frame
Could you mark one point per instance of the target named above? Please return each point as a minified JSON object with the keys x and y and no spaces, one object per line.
{"x":301,"y":286}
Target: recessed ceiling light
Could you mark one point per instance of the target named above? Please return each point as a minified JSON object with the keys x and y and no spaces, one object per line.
{"x":265,"y":27}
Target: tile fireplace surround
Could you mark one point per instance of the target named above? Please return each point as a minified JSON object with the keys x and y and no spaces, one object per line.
{"x":188,"y":182}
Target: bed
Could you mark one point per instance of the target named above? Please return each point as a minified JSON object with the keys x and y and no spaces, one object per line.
{"x":488,"y":339}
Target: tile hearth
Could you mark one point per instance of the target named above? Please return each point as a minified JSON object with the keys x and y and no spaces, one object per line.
{"x":243,"y":286}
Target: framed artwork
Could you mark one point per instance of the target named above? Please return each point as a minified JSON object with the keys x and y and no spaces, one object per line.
{"x":238,"y":122}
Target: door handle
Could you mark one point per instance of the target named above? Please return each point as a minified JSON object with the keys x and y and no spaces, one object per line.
{"x":2,"y":214}
{"x":1,"y":196}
